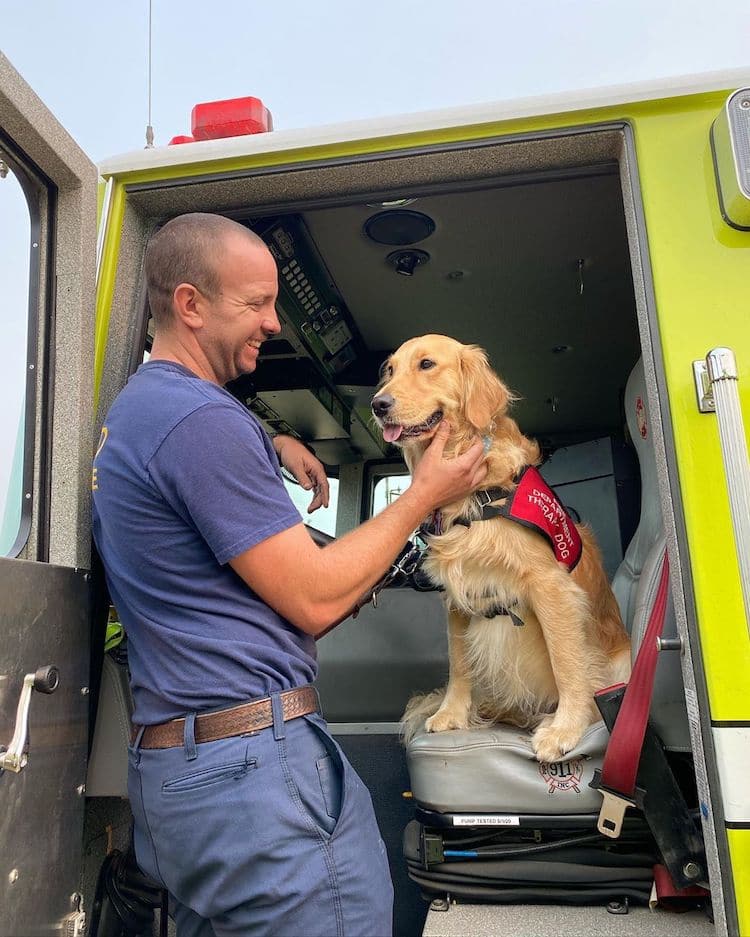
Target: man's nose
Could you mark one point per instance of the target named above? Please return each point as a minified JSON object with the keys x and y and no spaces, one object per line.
{"x":271,"y":324}
{"x":382,"y":404}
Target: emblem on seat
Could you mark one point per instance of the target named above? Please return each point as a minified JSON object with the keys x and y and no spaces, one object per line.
{"x":562,"y":775}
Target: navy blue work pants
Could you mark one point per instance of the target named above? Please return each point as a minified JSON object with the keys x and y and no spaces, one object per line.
{"x":268,"y":834}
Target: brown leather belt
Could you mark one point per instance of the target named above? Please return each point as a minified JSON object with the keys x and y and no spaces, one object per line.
{"x":223,"y":724}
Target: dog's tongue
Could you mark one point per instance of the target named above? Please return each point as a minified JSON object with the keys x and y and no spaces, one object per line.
{"x":391,"y":431}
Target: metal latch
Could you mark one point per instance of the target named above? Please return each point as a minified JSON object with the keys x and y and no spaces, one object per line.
{"x":45,"y":680}
{"x":74,"y":925}
{"x":703,"y":389}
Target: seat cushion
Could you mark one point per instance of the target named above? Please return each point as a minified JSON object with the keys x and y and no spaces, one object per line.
{"x":494,"y":770}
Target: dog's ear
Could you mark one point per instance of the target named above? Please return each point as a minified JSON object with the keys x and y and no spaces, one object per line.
{"x":484,"y":394}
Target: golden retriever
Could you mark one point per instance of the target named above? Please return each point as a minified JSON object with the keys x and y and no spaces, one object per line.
{"x":541,"y":675}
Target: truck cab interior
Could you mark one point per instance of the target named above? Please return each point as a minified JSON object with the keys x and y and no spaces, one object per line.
{"x":529,"y":248}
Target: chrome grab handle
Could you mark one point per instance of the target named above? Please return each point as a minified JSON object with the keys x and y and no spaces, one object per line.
{"x":719,"y":391}
{"x":45,"y":680}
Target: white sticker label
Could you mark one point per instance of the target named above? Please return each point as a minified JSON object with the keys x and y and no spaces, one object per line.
{"x":488,"y":819}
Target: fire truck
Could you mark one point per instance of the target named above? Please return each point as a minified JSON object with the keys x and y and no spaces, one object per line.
{"x":597,"y":245}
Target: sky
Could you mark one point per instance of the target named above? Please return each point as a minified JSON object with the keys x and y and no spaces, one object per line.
{"x":336,"y":60}
{"x":319,"y":63}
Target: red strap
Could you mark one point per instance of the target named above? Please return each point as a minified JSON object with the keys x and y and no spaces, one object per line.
{"x":667,"y":892}
{"x":626,"y":740}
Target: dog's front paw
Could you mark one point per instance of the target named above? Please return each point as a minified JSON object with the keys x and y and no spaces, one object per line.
{"x":552,"y":742}
{"x":445,"y":719}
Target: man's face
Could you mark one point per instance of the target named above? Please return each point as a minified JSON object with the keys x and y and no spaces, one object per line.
{"x":243,"y":314}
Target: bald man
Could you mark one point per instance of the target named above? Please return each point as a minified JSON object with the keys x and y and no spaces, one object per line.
{"x":245,"y":808}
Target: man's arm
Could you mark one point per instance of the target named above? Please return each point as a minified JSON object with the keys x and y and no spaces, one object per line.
{"x":313,"y":587}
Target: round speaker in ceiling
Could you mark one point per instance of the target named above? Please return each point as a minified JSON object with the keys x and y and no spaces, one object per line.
{"x":399,"y":227}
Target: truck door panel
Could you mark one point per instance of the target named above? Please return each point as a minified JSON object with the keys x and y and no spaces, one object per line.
{"x":44,"y":594}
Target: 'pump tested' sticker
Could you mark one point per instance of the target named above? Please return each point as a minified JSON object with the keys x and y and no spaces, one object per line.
{"x":485,"y":819}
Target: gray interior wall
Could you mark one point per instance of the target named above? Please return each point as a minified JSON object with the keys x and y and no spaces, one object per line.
{"x":370,"y":666}
{"x":351,"y":480}
{"x":583,"y":478}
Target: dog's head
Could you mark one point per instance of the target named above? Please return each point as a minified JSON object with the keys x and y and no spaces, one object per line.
{"x":434,"y":377}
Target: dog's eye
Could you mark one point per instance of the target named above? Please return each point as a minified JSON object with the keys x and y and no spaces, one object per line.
{"x":426,"y":363}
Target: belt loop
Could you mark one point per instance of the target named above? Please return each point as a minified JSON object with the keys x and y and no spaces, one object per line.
{"x":136,"y":743}
{"x":191,"y":752}
{"x":278,"y":716}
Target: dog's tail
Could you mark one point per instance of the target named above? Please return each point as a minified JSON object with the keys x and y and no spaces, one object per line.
{"x":419,"y":708}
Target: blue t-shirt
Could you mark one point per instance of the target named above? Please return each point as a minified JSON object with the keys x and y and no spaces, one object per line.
{"x":185,"y":479}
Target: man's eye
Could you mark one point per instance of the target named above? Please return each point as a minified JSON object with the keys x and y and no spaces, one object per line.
{"x":426,"y":363}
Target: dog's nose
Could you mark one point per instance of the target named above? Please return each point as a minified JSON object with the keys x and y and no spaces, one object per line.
{"x":382,"y":404}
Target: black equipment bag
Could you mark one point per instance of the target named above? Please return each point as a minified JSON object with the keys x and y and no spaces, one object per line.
{"x":536,"y":862}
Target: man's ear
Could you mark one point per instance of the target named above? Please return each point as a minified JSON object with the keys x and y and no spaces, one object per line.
{"x":187,"y":303}
{"x":484,"y":394}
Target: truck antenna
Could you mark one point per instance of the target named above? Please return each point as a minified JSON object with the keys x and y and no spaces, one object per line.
{"x":149,"y":128}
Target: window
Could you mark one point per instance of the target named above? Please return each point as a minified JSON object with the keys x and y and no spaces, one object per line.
{"x":387,"y":489}
{"x":15,"y":238}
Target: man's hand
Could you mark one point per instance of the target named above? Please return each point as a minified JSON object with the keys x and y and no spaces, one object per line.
{"x":314,"y":587}
{"x":306,"y":468}
{"x":441,"y":481}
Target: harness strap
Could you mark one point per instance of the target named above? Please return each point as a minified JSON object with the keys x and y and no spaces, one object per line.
{"x":488,"y":510}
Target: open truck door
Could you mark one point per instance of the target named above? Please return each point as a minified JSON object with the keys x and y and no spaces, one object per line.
{"x":44,"y":578}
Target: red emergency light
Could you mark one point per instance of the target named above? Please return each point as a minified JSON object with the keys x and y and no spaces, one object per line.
{"x":236,"y":117}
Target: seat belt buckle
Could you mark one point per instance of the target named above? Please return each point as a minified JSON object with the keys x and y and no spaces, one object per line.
{"x":612,"y":813}
{"x":614,"y":805}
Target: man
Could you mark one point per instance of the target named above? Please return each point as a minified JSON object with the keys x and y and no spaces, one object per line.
{"x":249,"y":815}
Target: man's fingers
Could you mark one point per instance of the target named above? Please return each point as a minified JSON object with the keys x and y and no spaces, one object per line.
{"x":440,"y":438}
{"x":319,"y":484}
{"x":319,"y":501}
{"x":319,"y":481}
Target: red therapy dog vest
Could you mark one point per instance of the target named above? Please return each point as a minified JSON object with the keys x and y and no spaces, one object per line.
{"x":535,"y":505}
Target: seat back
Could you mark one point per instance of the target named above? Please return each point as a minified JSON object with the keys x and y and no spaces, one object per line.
{"x":636,"y":580}
{"x":650,"y":525}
